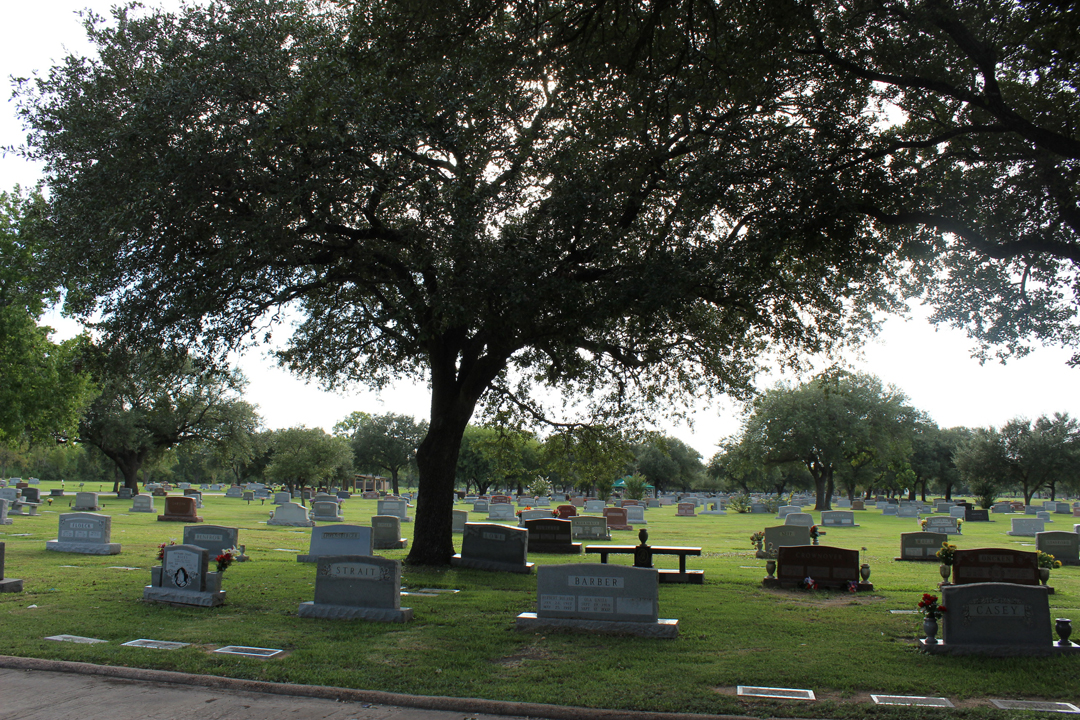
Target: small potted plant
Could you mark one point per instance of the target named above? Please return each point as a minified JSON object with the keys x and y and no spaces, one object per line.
{"x":931,"y":611}
{"x":945,"y":555}
{"x":1047,"y":562}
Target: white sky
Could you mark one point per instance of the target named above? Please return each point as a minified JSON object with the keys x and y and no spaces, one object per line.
{"x":933,"y":367}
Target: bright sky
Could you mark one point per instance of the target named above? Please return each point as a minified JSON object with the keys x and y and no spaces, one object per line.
{"x":932,"y":366}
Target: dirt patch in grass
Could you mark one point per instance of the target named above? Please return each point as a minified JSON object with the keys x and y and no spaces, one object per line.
{"x":531,"y":652}
{"x":824,"y":599}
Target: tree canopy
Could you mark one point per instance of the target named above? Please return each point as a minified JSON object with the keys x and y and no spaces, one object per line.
{"x":383,"y":442}
{"x":628,"y":203}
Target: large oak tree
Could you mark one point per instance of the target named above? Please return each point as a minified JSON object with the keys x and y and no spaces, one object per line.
{"x":626,"y":202}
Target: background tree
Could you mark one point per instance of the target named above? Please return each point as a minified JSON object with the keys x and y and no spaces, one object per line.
{"x":668,"y":462}
{"x":383,"y":442}
{"x":475,"y":463}
{"x":626,"y":204}
{"x":305,"y":457}
{"x":588,"y":458}
{"x":43,"y":387}
{"x":152,"y":400}
{"x":827,"y":424}
{"x":931,"y":459}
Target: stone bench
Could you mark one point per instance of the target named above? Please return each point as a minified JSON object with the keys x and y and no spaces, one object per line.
{"x":682,"y":575}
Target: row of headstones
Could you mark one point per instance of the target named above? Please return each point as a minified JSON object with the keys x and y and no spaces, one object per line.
{"x":1063,"y":545}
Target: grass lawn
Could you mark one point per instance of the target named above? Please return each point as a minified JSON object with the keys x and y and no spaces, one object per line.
{"x":732,"y":631}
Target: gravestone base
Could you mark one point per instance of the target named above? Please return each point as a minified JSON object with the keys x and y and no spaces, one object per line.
{"x":142,"y":510}
{"x":11,"y":585}
{"x":662,"y":628}
{"x":6,"y":521}
{"x":349,"y":612}
{"x":555,"y":548}
{"x":491,"y":565}
{"x":179,"y":518}
{"x":86,"y":508}
{"x":620,"y":527}
{"x":286,"y":523}
{"x":940,"y":648}
{"x":83,"y":548}
{"x":328,"y":518}
{"x":690,"y":577}
{"x":171,"y":596}
{"x":384,"y":545}
{"x":822,"y":584}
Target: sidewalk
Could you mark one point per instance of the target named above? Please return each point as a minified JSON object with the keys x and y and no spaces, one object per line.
{"x":32,"y":689}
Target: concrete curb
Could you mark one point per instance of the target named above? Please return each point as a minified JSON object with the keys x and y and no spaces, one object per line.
{"x":376,"y":697}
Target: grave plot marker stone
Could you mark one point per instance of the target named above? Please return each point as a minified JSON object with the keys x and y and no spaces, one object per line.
{"x":386,"y":533}
{"x":782,"y":536}
{"x":8,"y":585}
{"x":921,"y":545}
{"x":501,"y":511}
{"x":975,"y":565}
{"x":616,"y":518}
{"x":838,"y":518}
{"x":86,"y":502}
{"x":829,"y":567}
{"x":551,"y":535}
{"x":4,"y":519}
{"x":608,"y":599}
{"x":349,"y":587}
{"x":1063,"y":545}
{"x":530,"y":514}
{"x":772,"y":692}
{"x":800,"y":518}
{"x":460,"y":518}
{"x":996,"y":619}
{"x":635,"y":514}
{"x":235,"y":491}
{"x":155,"y":644}
{"x":326,"y":512}
{"x":584,"y":527}
{"x":76,"y":639}
{"x":976,"y":515}
{"x":124,"y":493}
{"x":684,"y":509}
{"x":494,"y":547}
{"x":1026,"y":527}
{"x":912,"y":700}
{"x":216,"y":539}
{"x":291,"y":514}
{"x":330,"y":540}
{"x":85,"y":533}
{"x":183,"y":578}
{"x":945,"y":525}
{"x":180,"y":508}
{"x":251,"y":652}
{"x":395,"y":506}
{"x":1035,"y":705}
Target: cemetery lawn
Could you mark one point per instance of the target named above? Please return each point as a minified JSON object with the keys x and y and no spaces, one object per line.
{"x":732,"y":631}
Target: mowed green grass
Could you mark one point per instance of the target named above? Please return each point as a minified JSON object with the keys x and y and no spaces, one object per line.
{"x":732,"y":631}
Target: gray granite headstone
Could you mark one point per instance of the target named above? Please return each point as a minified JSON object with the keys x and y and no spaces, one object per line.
{"x":386,"y":533}
{"x":142,"y":503}
{"x":183,"y":578}
{"x":460,"y":518}
{"x":593,"y":597}
{"x":394,"y":506}
{"x":946,"y":525}
{"x":490,"y":546}
{"x":124,"y":493}
{"x":501,"y":511}
{"x":337,"y":540}
{"x":7,"y":585}
{"x":357,"y":586}
{"x":326,"y":512}
{"x":635,"y":514}
{"x":838,"y":518}
{"x":215,"y":538}
{"x":1011,"y":617}
{"x":784,"y":535}
{"x":281,"y":498}
{"x":86,"y":533}
{"x":291,"y":514}
{"x":4,"y":520}
{"x":800,"y":518}
{"x":1064,"y":546}
{"x":921,"y":545}
{"x":234,"y":491}
{"x":586,"y":527}
{"x":86,"y":501}
{"x":594,"y":506}
{"x":1026,"y":527}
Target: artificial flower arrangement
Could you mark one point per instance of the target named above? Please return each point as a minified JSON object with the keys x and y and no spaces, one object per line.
{"x":946,"y":553}
{"x":929,"y":607}
{"x":814,"y":532}
{"x":224,"y":560}
{"x":808,"y":583}
{"x":1048,"y":561}
{"x":161,"y":550}
{"x":757,"y":538}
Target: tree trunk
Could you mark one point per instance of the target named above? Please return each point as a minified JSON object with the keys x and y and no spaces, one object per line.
{"x":394,"y":481}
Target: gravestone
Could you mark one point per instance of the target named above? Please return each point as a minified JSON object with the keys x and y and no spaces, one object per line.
{"x":526,"y":515}
{"x":498,"y":548}
{"x":838,"y":518}
{"x":844,"y":504}
{"x":801,"y":519}
{"x":829,"y":567}
{"x":587,"y":597}
{"x":958,"y":511}
{"x":685,"y":510}
{"x":86,"y":533}
{"x":758,"y":508}
{"x":386,"y":533}
{"x":397,"y":507}
{"x":995,"y":565}
{"x":907,"y":511}
{"x":1001,"y":507}
{"x":585,"y":527}
{"x":234,"y":491}
{"x":1044,"y":516}
{"x":142,"y":503}
{"x":635,"y":514}
{"x":159,"y":492}
{"x":180,"y":508}
{"x":501,"y":511}
{"x":86,"y":502}
{"x":326,"y":512}
{"x":889,"y":509}
{"x":1064,"y":546}
{"x":350,"y":587}
{"x":996,"y":619}
{"x":594,"y":506}
{"x":542,"y":502}
{"x":616,"y":518}
{"x":1026,"y":527}
{"x":192,"y":492}
{"x":500,"y":499}
{"x":921,"y":545}
{"x":337,"y":540}
{"x":786,"y":510}
{"x":4,"y":520}
{"x":57,"y":492}
{"x":946,"y":525}
{"x":782,"y":536}
{"x":291,"y":514}
{"x":281,"y":498}
{"x":7,"y":585}
{"x":654,"y":503}
{"x":249,"y":496}
{"x":480,"y":506}
{"x":216,"y":539}
{"x":124,"y":493}
{"x":578,"y":502}
{"x":858,"y":505}
{"x":460,"y":518}
{"x":183,"y":578}
{"x":976,"y":515}
{"x":566,"y":511}
{"x":551,"y":535}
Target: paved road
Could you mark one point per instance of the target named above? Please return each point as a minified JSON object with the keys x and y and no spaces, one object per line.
{"x":43,"y":695}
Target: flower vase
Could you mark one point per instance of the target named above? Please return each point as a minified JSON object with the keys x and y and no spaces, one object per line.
{"x":1063,"y":626}
{"x":945,"y":570}
{"x":864,"y":572}
{"x":929,"y":628}
{"x":1044,"y":575}
{"x":770,"y":567}
{"x":815,"y":541}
